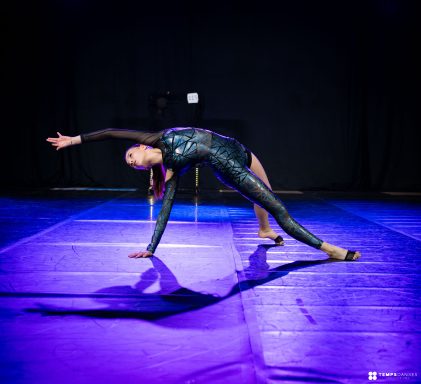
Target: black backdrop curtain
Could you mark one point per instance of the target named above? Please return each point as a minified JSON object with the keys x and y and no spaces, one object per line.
{"x":325,"y":93}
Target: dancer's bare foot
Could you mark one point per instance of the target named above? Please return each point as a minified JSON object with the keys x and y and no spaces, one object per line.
{"x":270,"y":234}
{"x":338,"y":253}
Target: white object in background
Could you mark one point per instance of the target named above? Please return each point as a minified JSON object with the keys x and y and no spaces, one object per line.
{"x":192,"y":98}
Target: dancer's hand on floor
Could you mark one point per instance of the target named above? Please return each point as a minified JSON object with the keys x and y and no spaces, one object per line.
{"x":138,"y":255}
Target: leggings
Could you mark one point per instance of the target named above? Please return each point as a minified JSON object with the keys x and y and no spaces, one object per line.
{"x":228,"y":159}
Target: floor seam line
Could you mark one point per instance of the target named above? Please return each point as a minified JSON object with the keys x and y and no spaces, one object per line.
{"x":53,"y":227}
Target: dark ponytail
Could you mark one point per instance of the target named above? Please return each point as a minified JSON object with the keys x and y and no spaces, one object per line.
{"x":158,"y":180}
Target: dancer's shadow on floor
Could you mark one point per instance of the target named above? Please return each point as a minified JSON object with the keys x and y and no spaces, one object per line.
{"x":172,"y":299}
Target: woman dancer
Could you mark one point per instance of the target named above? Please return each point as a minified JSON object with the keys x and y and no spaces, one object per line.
{"x":171,"y":152}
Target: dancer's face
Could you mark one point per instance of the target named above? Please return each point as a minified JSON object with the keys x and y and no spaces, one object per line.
{"x":136,"y":157}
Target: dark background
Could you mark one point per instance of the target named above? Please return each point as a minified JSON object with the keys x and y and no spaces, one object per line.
{"x":325,"y":93}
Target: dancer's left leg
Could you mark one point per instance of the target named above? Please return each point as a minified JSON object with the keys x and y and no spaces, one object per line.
{"x":256,"y":191}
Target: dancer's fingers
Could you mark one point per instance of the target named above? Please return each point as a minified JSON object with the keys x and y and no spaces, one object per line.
{"x":138,"y":255}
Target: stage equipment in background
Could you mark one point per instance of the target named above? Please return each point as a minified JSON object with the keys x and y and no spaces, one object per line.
{"x":175,"y":109}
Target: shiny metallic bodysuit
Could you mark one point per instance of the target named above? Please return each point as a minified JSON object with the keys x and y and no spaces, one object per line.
{"x":182,"y":148}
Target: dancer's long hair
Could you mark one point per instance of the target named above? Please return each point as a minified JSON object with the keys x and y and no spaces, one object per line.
{"x":158,"y":178}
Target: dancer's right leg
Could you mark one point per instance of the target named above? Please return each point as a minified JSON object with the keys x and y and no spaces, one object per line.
{"x":265,"y":230}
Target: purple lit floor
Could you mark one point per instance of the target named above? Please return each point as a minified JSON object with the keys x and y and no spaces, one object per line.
{"x":216,"y":304}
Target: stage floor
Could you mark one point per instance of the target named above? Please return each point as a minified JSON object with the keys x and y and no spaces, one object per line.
{"x":216,"y":304}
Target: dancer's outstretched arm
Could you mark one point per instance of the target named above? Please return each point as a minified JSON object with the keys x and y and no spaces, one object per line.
{"x":147,"y":138}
